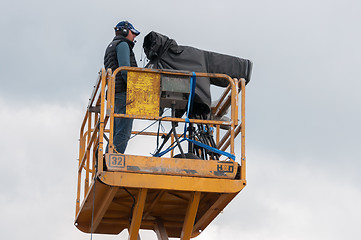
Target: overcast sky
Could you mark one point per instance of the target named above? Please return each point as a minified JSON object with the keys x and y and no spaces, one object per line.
{"x":303,"y":133}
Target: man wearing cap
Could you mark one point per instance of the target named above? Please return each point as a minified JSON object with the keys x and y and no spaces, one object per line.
{"x":120,"y":53}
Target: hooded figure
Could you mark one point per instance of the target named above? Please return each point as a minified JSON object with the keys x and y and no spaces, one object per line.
{"x":165,"y":53}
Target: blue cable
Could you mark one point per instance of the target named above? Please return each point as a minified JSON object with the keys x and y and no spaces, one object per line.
{"x":189,"y":109}
{"x":190,"y":100}
{"x":212,"y":149}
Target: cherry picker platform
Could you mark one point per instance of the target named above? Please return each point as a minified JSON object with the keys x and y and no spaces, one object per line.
{"x":176,"y":196}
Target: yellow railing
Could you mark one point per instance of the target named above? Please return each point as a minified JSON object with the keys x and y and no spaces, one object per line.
{"x":100,"y":112}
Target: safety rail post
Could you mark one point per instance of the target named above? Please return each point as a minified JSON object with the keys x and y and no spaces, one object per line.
{"x":236,"y":101}
{"x":233,"y":117}
{"x":95,"y":152}
{"x":110,"y":112}
{"x":102,"y":121}
{"x":86,"y":182}
{"x":172,"y":142}
{"x":243,"y":134}
{"x":217,"y":134}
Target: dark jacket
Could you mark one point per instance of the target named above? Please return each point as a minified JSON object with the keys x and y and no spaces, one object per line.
{"x":111,"y":61}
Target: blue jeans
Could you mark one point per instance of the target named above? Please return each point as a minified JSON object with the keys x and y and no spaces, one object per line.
{"x":122,"y":126}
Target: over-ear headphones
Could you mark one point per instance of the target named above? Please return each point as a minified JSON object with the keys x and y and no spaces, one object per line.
{"x":124,"y":30}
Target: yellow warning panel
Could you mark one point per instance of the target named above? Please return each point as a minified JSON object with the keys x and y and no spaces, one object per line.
{"x":143,"y":92}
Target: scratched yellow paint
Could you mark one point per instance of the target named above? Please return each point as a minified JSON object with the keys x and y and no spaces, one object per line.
{"x":171,"y":166}
{"x":143,"y":92}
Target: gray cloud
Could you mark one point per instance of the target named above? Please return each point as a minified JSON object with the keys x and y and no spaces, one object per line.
{"x":302,"y":123}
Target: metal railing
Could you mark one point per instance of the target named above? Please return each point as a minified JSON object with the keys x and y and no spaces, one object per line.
{"x":99,"y":117}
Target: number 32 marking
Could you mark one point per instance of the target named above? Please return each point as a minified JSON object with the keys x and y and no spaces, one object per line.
{"x":117,"y":161}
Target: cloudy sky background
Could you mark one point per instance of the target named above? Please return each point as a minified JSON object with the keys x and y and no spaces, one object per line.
{"x":303,"y":109}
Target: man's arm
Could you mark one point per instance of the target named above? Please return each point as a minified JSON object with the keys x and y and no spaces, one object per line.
{"x":123,"y":56}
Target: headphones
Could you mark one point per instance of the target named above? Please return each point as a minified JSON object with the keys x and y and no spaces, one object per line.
{"x":124,"y":30}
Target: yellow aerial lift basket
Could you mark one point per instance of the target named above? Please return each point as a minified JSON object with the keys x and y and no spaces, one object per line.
{"x":175,"y":197}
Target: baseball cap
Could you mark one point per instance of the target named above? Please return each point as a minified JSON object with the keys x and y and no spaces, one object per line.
{"x":128,"y":25}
